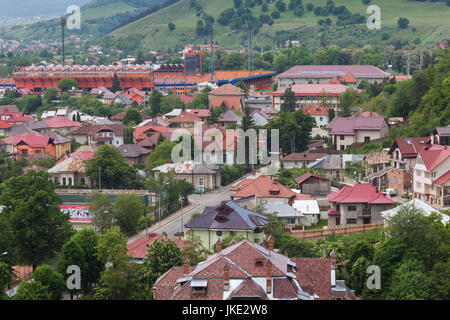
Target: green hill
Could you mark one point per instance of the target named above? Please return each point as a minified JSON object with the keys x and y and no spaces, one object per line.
{"x":428,"y":23}
{"x":98,"y":18}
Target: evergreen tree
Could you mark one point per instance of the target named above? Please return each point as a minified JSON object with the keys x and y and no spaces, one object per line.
{"x":214,"y":115}
{"x":289,"y":101}
{"x":116,"y":83}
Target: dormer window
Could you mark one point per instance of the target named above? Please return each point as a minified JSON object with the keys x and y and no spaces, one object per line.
{"x":199,"y":285}
{"x":259,"y":262}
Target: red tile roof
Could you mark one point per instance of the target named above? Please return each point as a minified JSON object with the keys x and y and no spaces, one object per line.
{"x":360,"y":193}
{"x":138,"y":249}
{"x":314,"y":276}
{"x":350,"y":78}
{"x":201,"y":113}
{"x":186,"y":99}
{"x":5,"y":125}
{"x":261,"y":187}
{"x":139,"y":132}
{"x":409,"y":147}
{"x":315,"y":110}
{"x":246,"y":263}
{"x":61,"y":122}
{"x":227,"y":89}
{"x":231,"y":102}
{"x":434,"y":155}
{"x":442,"y":179}
{"x":185,"y":117}
{"x":35,"y":140}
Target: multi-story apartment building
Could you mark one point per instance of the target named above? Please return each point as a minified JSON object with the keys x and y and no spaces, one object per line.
{"x":431,"y":175}
{"x":403,"y":154}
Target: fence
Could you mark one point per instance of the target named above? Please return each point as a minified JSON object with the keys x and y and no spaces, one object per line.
{"x":320,"y":233}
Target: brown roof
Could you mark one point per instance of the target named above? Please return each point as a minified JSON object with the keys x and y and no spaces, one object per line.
{"x":306,"y":176}
{"x":90,"y":129}
{"x":317,"y":272}
{"x":303,"y":156}
{"x":184,"y":117}
{"x":261,"y":188}
{"x":409,"y":147}
{"x":227,"y":89}
{"x":247,"y":264}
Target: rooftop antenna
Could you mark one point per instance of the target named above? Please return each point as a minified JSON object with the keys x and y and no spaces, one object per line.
{"x":213,"y":56}
{"x":63,"y":24}
{"x":250,"y":48}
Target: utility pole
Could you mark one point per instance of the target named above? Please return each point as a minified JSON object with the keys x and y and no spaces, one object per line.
{"x":212,"y":61}
{"x":63,"y":25}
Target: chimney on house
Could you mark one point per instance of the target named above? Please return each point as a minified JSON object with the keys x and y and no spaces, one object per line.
{"x":275,"y":180}
{"x":333,"y":268}
{"x":218,"y":246}
{"x":226,"y":277}
{"x":185,"y":266}
{"x":271,"y":242}
{"x":268,"y":277}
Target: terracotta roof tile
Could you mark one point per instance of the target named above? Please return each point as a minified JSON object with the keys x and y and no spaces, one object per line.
{"x":261,"y":186}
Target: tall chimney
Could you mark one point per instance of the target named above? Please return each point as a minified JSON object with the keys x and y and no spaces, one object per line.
{"x":271,"y":242}
{"x":185,"y":266}
{"x":218,"y":246}
{"x":268,"y":277}
{"x":333,"y":268}
{"x":226,"y":277}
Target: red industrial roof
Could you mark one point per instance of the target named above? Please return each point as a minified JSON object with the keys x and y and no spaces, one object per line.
{"x":61,"y":122}
{"x":316,"y":88}
{"x":325,"y":71}
{"x":360,"y":193}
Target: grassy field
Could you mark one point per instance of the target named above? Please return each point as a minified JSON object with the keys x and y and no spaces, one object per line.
{"x":430,"y":20}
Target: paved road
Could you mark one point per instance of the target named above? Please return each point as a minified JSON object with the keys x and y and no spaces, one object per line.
{"x":173,"y":223}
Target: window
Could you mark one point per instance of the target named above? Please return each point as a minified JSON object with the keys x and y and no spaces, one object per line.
{"x":321,"y":118}
{"x":342,"y":147}
{"x":418,"y":173}
{"x":418,"y":184}
{"x":219,"y":233}
{"x":232,"y":233}
{"x":366,"y":139}
{"x":342,"y":137}
{"x":351,"y":208}
{"x":200,"y":182}
{"x":352,"y":221}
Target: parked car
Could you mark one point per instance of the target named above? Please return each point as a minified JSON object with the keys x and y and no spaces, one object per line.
{"x":391,"y":192}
